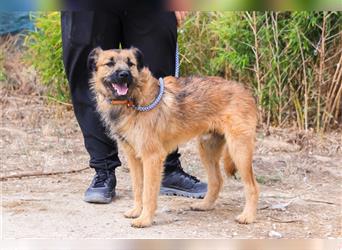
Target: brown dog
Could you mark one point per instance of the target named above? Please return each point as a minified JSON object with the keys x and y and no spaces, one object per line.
{"x":222,"y":113}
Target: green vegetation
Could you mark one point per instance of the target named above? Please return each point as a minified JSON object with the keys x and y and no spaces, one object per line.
{"x":44,"y":52}
{"x":289,"y":60}
{"x":2,"y":70}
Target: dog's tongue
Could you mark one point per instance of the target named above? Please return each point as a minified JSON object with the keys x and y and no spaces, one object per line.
{"x":120,"y":89}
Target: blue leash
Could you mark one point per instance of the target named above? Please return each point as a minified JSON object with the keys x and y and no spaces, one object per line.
{"x":177,"y":64}
{"x":161,"y":88}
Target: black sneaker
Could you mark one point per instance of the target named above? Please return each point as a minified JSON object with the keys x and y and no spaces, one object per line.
{"x":181,"y":183}
{"x":102,"y":188}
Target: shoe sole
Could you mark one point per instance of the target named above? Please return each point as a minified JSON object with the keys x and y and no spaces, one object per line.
{"x":98,"y":199}
{"x":177,"y":192}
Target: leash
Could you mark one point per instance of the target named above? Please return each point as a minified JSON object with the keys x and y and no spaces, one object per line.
{"x":177,"y":64}
{"x":156,"y":101}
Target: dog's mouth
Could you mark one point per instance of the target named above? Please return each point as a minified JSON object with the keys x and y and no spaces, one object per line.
{"x":118,"y":85}
{"x":120,"y":88}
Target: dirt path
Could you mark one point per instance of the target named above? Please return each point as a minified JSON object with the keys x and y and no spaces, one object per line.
{"x":299,"y":175}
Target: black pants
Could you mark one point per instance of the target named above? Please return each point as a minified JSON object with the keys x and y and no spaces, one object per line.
{"x":154,"y":33}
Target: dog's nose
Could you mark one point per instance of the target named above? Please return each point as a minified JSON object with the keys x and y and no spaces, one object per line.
{"x":123,"y":74}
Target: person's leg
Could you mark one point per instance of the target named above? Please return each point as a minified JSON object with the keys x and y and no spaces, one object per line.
{"x":81,"y":32}
{"x":155,"y":34}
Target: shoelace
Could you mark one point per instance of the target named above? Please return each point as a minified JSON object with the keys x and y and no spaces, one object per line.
{"x":178,"y":168}
{"x":101,"y":177}
{"x":186,"y":175}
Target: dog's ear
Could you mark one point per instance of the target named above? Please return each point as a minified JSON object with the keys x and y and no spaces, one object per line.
{"x":92,"y":58}
{"x":139,"y":57}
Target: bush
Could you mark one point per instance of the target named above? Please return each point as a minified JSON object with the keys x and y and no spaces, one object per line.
{"x":289,"y":59}
{"x":278,"y":55}
{"x":44,"y":52}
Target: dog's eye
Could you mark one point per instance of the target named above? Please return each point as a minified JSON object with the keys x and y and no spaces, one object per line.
{"x":129,"y":63}
{"x":110,"y":64}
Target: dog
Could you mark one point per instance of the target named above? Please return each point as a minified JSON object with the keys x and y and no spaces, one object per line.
{"x":221,"y":113}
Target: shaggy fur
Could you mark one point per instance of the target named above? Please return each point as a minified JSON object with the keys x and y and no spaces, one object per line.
{"x":221,"y":113}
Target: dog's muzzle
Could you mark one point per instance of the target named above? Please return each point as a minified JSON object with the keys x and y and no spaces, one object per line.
{"x":120,"y":81}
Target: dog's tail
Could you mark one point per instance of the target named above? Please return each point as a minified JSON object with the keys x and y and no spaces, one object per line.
{"x":229,"y":166}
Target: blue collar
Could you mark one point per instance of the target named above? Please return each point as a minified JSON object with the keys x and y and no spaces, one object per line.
{"x":155,"y":102}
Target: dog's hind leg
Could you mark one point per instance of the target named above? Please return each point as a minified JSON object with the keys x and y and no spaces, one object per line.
{"x":210,"y":149}
{"x":136,"y":171}
{"x":228,"y":163}
{"x":241,"y":148}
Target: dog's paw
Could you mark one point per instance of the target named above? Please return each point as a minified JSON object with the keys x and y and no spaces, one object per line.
{"x":245,"y":218}
{"x":133,"y":213}
{"x":202,"y":206}
{"x":141,"y":222}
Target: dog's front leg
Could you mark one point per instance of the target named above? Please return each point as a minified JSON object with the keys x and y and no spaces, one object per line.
{"x":136,"y":171}
{"x":152,"y":165}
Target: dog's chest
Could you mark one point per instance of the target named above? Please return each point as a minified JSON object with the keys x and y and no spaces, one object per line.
{"x":124,"y":128}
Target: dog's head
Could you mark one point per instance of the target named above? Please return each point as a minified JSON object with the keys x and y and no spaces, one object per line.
{"x":115,"y":72}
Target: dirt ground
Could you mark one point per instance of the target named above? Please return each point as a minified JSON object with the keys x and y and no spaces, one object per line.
{"x":299,"y":175}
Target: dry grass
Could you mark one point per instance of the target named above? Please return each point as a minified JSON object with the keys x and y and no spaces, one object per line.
{"x":291,"y":60}
{"x":16,"y":75}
